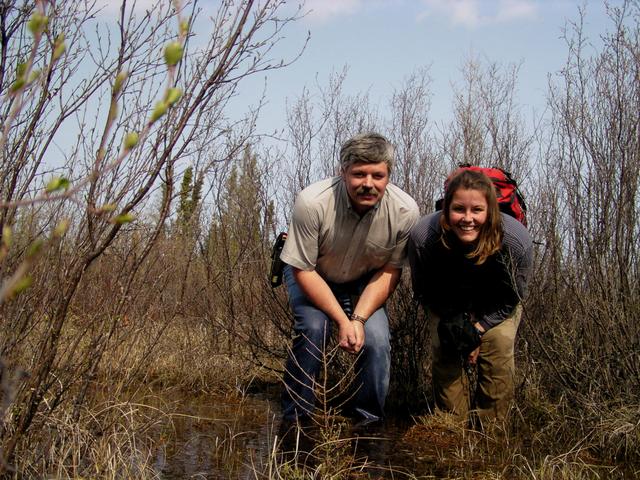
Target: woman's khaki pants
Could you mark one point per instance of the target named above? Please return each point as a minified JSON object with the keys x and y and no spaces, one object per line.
{"x":495,"y":367}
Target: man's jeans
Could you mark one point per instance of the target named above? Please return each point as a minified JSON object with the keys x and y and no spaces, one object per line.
{"x":312,"y":331}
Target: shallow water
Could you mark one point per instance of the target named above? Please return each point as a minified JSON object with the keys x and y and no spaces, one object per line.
{"x":230,"y":439}
{"x":226,"y":438}
{"x":217,"y":438}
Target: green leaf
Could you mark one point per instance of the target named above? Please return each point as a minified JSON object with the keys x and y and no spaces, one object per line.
{"x":21,"y":69}
{"x":61,"y":228}
{"x":35,"y":74}
{"x":7,"y":236}
{"x":37,"y":23}
{"x":173,"y":95}
{"x":18,"y":85}
{"x":173,"y":53}
{"x":35,"y":248}
{"x":131,"y":139}
{"x":119,"y":82}
{"x":123,"y":218}
{"x":159,"y":110}
{"x":108,"y":207}
{"x":59,"y":47}
{"x":57,"y":183}
{"x":184,"y":27}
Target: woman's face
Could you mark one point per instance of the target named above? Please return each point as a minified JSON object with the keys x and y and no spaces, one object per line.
{"x":467,"y":214}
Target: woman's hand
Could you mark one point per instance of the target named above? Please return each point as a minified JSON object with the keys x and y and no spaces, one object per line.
{"x":473,"y":356}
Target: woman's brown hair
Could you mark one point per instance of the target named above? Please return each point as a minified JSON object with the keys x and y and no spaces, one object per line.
{"x":490,"y":235}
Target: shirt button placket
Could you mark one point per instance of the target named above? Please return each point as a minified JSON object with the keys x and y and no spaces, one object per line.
{"x":357,"y":243}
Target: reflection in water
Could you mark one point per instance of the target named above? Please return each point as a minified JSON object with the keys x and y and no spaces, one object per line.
{"x":227,"y":438}
{"x":218,"y":438}
{"x":231,"y":439}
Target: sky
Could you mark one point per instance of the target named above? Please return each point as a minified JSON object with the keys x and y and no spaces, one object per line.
{"x":382,"y":42}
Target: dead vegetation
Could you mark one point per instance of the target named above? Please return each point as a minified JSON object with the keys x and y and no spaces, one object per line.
{"x":129,"y":275}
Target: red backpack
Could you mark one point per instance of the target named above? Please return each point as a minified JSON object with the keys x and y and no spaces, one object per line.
{"x":510,"y":199}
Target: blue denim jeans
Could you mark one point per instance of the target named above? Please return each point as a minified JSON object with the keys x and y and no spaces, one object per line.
{"x":312,"y":330}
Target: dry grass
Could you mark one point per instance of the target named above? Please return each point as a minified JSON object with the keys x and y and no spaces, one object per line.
{"x":182,"y":357}
{"x":449,"y":449}
{"x":618,"y":432}
{"x":112,"y":441}
{"x":129,"y":427}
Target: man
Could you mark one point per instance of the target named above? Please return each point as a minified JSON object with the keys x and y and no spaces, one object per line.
{"x":345,"y":251}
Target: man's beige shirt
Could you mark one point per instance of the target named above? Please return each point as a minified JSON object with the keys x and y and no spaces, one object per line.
{"x":328,"y":236}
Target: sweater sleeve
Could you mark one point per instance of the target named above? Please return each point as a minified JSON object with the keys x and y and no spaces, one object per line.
{"x":420,"y":252}
{"x":517,"y":259}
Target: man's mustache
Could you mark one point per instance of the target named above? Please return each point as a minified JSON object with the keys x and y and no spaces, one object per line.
{"x":367,"y":191}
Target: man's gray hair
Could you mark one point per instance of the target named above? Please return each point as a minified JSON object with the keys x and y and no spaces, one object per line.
{"x":367,"y":148}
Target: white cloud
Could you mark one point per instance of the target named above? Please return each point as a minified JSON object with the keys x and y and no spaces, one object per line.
{"x":516,"y":9}
{"x":475,"y":13}
{"x":465,"y":12}
{"x":320,"y":10}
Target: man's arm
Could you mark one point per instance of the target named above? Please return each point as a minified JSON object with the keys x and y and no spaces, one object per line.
{"x":378,"y":290}
{"x":374,"y":295}
{"x":319,"y":293}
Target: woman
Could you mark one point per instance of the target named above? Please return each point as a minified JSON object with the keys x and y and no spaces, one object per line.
{"x":472,"y":261}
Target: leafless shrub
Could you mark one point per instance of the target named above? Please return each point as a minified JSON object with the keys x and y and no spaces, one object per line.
{"x":590,"y":224}
{"x":488,"y":128}
{"x":418,"y":169}
{"x":110,"y":84}
{"x":141,"y":291}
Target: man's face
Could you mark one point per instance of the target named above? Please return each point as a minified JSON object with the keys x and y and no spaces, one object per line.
{"x":366,"y":183}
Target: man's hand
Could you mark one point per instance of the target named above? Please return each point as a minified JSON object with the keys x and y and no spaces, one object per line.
{"x":347,"y":339}
{"x":351,"y":336}
{"x":319,"y":293}
{"x":360,"y":335}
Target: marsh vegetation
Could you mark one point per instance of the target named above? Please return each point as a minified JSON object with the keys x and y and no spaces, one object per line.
{"x":135,"y":276}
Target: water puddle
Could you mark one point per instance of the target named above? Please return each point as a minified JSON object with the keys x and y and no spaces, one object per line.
{"x":226,"y":438}
{"x":218,"y":438}
{"x":230,"y":439}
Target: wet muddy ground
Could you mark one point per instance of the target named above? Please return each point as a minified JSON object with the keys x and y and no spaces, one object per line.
{"x":218,"y":438}
{"x":241,"y":438}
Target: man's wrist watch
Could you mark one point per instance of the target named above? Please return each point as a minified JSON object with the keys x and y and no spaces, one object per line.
{"x":358,"y":318}
{"x":480,"y":332}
